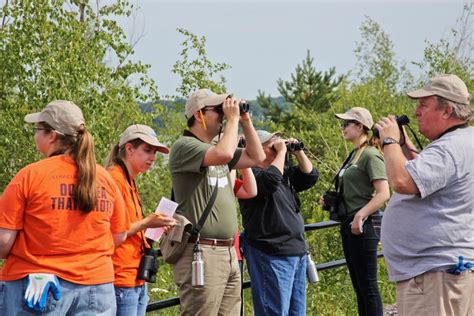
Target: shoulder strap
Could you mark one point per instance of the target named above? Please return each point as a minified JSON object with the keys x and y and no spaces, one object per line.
{"x":197,"y":228}
{"x":336,"y":178}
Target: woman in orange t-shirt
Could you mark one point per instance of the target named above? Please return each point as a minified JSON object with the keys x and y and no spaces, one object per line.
{"x":60,"y":220}
{"x":134,"y":154}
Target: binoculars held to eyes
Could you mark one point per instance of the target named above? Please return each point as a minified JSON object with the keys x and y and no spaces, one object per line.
{"x":295,"y":146}
{"x":241,"y":143}
{"x":401,"y":120}
{"x":244,"y":107}
{"x":292,"y":146}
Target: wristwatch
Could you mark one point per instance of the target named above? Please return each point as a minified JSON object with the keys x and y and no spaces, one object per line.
{"x":389,"y":141}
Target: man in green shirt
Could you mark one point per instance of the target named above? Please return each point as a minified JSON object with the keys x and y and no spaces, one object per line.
{"x":195,"y":166}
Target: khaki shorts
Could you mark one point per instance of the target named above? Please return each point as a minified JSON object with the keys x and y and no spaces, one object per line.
{"x":437,"y":294}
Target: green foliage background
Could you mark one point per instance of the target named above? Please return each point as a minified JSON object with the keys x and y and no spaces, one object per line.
{"x":51,"y":49}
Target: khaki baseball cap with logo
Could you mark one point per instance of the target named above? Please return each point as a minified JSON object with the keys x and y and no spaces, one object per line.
{"x":64,"y":116}
{"x":450,"y":87}
{"x":145,"y":133}
{"x":202,"y":98}
{"x":358,"y":114}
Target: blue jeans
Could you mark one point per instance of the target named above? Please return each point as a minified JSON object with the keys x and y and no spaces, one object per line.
{"x":278,"y":282}
{"x":361,"y":257}
{"x":131,"y":301}
{"x":75,"y":299}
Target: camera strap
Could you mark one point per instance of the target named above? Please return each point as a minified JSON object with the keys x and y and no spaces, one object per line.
{"x":336,"y":177}
{"x":131,"y":186}
{"x":453,"y":128}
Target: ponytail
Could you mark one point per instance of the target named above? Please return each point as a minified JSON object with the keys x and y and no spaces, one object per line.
{"x":83,"y":151}
{"x":112,"y":157}
{"x":374,"y":141}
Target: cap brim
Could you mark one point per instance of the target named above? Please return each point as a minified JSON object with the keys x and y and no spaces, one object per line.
{"x":344,"y":116}
{"x":153,"y":142}
{"x":420,"y":93}
{"x":163,"y":149}
{"x":215,"y":100}
{"x":33,"y":118}
{"x":267,"y":138}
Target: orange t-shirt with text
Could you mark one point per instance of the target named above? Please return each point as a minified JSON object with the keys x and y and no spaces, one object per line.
{"x":53,"y":236}
{"x":127,"y":256}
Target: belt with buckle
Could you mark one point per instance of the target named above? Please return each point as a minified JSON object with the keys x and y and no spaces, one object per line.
{"x":212,"y":242}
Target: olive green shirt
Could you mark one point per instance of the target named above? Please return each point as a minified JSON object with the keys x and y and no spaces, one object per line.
{"x":357,"y":179}
{"x":193,"y":185}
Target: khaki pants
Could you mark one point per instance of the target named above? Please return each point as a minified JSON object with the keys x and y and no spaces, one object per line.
{"x":221,"y":292}
{"x":436,"y":294}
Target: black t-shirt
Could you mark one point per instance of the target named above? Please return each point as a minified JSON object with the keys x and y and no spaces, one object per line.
{"x":272,"y":220}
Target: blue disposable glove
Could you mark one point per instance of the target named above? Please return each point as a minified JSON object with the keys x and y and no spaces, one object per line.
{"x":38,"y":286}
{"x":460,"y":267}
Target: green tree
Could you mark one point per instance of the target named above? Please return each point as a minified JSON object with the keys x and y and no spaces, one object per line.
{"x":377,"y":90}
{"x":308,"y":90}
{"x":53,"y":49}
{"x":376,"y":59}
{"x":453,"y":54}
{"x":195,"y":68}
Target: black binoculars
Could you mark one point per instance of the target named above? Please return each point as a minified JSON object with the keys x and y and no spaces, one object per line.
{"x":148,"y":266}
{"x":244,"y":107}
{"x":241,"y":143}
{"x":291,"y":147}
{"x":330,"y":199}
{"x":294,"y":146}
{"x":401,"y":120}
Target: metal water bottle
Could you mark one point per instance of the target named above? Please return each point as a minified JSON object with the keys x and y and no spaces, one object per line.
{"x":197,"y":268}
{"x":311,"y":271}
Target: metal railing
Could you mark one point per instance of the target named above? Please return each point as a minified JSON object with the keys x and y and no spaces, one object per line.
{"x":174,"y":301}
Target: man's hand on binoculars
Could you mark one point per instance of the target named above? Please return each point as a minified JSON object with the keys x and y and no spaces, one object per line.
{"x":388,"y":128}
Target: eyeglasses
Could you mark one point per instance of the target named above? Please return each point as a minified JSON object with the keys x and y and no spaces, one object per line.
{"x":35,"y":129}
{"x":345,"y":123}
{"x":217,"y":109}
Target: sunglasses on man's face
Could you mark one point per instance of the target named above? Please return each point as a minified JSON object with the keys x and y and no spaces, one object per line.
{"x":217,"y":109}
{"x":345,"y":123}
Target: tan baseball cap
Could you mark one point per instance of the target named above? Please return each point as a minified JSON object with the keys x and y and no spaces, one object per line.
{"x":64,"y":116}
{"x":450,"y":87}
{"x":145,"y":133}
{"x":358,"y":114}
{"x":202,"y":98}
{"x":265,"y":136}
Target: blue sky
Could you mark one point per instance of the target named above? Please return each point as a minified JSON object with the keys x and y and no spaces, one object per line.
{"x":265,"y":40}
